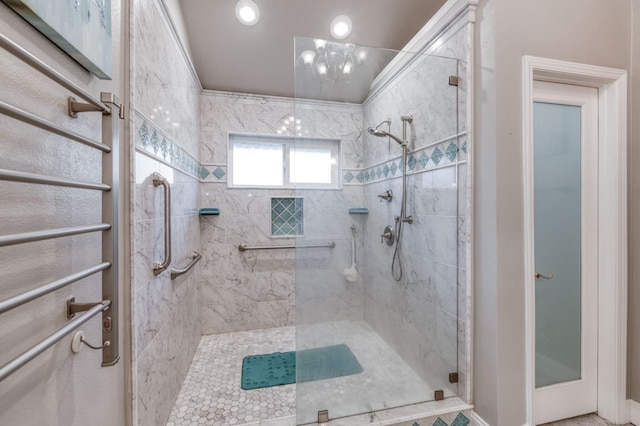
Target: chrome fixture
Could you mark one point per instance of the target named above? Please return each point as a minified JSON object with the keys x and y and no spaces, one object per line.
{"x":544,"y":277}
{"x":176,"y":272}
{"x":387,"y":236}
{"x":402,"y":218}
{"x":158,"y":180}
{"x":386,"y":195}
{"x":333,"y":61}
{"x":244,"y":247}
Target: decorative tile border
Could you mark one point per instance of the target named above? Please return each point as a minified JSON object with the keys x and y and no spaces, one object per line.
{"x":151,"y":140}
{"x":449,"y":151}
{"x":154,"y":142}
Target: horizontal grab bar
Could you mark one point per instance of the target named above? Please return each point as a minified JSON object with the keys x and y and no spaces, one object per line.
{"x":176,"y":272}
{"x":45,"y":69}
{"x":27,"y":237}
{"x":28,"y":296}
{"x":34,"y":120}
{"x":244,"y":247}
{"x":49,"y":180}
{"x":13,"y":365}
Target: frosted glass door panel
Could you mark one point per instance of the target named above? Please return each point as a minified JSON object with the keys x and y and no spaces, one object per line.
{"x":558,"y":186}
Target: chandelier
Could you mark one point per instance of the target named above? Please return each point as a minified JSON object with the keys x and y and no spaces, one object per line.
{"x":333,"y":61}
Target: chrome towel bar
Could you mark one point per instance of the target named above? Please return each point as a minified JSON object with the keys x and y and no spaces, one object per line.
{"x":158,"y":180}
{"x":45,"y":69}
{"x":13,"y":365}
{"x":27,"y":237}
{"x":176,"y":272}
{"x":244,"y":247}
{"x":10,"y":175}
{"x":28,"y":296}
{"x":27,"y":117}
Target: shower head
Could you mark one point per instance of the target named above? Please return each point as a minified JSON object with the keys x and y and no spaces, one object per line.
{"x":381,"y":133}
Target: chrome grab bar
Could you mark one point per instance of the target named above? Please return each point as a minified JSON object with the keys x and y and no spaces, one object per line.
{"x":176,"y":272}
{"x":244,"y":247}
{"x":13,"y":365}
{"x":157,"y":181}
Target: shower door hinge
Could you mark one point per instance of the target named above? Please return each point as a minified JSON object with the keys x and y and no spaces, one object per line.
{"x":323,"y":416}
{"x":453,"y":377}
{"x":453,"y":80}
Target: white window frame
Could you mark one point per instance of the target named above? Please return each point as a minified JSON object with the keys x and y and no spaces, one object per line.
{"x":288,"y":143}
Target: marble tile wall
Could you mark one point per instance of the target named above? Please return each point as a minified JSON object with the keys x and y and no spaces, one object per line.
{"x":165,"y":135}
{"x":424,"y":315}
{"x":261,"y":289}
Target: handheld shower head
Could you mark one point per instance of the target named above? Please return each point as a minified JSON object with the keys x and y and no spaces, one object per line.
{"x":381,"y":134}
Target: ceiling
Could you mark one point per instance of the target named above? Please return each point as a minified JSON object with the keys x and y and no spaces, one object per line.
{"x":259,"y":59}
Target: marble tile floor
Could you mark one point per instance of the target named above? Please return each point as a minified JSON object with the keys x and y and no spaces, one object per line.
{"x":211,"y":393}
{"x":588,"y":420}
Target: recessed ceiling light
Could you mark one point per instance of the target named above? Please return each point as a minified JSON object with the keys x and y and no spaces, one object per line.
{"x":247,"y":12}
{"x":341,"y":27}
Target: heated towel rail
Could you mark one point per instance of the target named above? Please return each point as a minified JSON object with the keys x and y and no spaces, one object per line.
{"x":109,"y":106}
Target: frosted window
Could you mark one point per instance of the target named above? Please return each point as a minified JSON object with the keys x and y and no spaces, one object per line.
{"x":311,"y":165}
{"x":259,"y":164}
{"x":283,"y":162}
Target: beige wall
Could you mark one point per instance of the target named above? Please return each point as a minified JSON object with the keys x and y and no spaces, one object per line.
{"x":633,"y":362}
{"x":57,"y":387}
{"x":596,"y":32}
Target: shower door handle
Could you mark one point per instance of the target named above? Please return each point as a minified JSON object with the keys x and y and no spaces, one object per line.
{"x":158,"y":180}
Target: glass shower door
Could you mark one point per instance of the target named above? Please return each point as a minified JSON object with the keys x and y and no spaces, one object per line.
{"x":364,"y":341}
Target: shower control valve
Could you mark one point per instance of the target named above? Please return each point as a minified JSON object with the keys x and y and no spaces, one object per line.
{"x":387,"y":236}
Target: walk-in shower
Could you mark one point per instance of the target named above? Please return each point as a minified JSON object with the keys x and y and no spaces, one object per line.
{"x":400,"y":323}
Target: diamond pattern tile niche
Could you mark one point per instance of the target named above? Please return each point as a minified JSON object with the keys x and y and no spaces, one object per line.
{"x":287,"y":216}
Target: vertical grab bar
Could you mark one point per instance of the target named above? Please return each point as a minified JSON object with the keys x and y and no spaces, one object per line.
{"x":157,"y":181}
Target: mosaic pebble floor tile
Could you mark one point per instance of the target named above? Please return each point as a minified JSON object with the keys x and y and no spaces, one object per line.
{"x":211,"y":393}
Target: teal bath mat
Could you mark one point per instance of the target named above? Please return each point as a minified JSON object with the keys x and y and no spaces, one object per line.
{"x":263,"y":371}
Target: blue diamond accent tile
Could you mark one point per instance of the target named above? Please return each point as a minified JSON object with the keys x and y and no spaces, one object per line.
{"x":203,"y":172}
{"x":436,"y":156}
{"x":439,"y":422}
{"x":348,"y":176}
{"x":164,"y":148}
{"x":286,"y":216}
{"x":366,"y":175}
{"x":155,"y":142}
{"x":411,"y":162}
{"x":360,"y":177}
{"x":460,"y":420}
{"x":218,"y":173}
{"x":386,"y":170}
{"x":464,"y":147}
{"x":452,"y":151}
{"x":379,"y":172}
{"x":394,"y":168}
{"x":143,"y":132}
{"x":172,"y":151}
{"x":423,"y":160}
{"x":415,"y":424}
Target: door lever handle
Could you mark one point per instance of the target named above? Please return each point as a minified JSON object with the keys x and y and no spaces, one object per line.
{"x":544,"y":277}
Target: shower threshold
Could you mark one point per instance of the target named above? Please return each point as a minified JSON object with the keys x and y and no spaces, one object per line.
{"x":211,"y":393}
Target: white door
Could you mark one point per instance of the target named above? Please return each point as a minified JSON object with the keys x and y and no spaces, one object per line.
{"x":565,"y":135}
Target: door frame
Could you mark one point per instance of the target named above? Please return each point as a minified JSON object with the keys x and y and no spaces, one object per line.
{"x":612,"y":224}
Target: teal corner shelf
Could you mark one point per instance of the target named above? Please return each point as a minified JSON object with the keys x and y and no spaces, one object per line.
{"x":359,"y":210}
{"x":209,"y":211}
